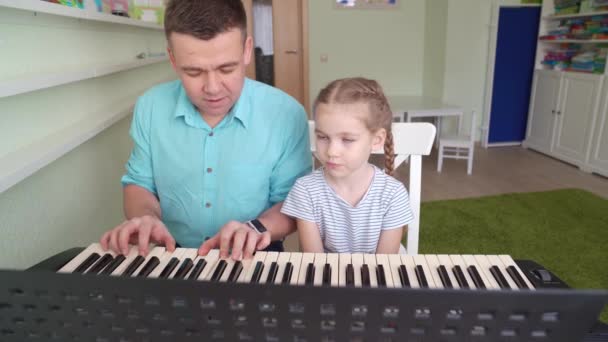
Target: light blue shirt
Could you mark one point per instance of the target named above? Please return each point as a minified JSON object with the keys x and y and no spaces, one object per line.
{"x":205,"y":177}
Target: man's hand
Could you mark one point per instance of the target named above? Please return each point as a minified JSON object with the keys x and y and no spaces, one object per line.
{"x":238,"y":237}
{"x":138,"y":231}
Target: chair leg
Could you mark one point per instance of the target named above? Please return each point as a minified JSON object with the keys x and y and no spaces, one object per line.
{"x":440,"y":158}
{"x":470,"y":161}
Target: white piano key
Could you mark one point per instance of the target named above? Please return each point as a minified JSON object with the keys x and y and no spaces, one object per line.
{"x":270,"y":258}
{"x":495,"y":260}
{"x":433,"y":265}
{"x":382,"y":259}
{"x":282,"y":261}
{"x":483,"y":261}
{"x":457,"y":260}
{"x":394,"y":261}
{"x":259,"y":256}
{"x":229,"y":265}
{"x":164,"y":259}
{"x":70,"y":266}
{"x":444,"y":260}
{"x":296,"y":261}
{"x":246,"y":265}
{"x":320,"y":261}
{"x":133,"y":253}
{"x":212,"y":259}
{"x":507,"y":260}
{"x":357,"y":261}
{"x":410,"y":266}
{"x":343,"y":261}
{"x":370,"y":261}
{"x":307,"y":258}
{"x":334,"y":264}
{"x":421,"y":260}
{"x":179,"y":254}
{"x":157,"y":251}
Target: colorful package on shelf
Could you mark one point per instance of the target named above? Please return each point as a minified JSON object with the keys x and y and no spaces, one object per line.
{"x":120,"y":7}
{"x":147,"y":10}
{"x":70,"y":3}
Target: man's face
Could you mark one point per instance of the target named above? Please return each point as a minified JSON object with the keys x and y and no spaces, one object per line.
{"x":212,"y":71}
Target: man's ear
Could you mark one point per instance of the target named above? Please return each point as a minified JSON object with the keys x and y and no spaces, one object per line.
{"x":248,"y":48}
{"x":171,"y":57}
{"x":378,"y":139}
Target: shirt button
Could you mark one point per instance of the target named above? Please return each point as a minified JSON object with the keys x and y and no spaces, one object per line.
{"x":211,"y":134}
{"x":207,"y":205}
{"x":209,"y":170}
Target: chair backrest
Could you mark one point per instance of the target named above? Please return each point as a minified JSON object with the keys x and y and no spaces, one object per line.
{"x":413,"y":140}
{"x":473,"y":124}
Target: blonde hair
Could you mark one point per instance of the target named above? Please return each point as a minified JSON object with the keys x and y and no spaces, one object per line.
{"x":362,"y":90}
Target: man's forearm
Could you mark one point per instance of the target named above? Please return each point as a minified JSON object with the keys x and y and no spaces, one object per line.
{"x":140,"y":202}
{"x":278,"y":224}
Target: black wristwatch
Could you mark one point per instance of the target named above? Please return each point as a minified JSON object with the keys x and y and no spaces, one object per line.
{"x":256,"y":225}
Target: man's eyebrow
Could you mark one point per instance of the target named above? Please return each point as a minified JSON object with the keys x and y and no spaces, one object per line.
{"x":195,"y":68}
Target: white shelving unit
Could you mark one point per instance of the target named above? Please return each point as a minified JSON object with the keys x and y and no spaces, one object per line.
{"x":19,"y":164}
{"x":37,"y":82}
{"x":567,"y":115}
{"x":66,"y":11}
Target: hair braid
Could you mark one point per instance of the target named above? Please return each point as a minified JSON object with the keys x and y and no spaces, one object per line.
{"x":389,"y":153}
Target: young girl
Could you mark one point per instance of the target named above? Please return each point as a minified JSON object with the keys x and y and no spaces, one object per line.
{"x":349,"y":205}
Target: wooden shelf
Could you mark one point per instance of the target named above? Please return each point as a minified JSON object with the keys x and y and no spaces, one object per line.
{"x":20,"y":164}
{"x":74,"y":12}
{"x":42,"y":81}
{"x":571,"y":16}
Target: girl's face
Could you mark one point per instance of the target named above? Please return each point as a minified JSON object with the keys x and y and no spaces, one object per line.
{"x":343,"y":141}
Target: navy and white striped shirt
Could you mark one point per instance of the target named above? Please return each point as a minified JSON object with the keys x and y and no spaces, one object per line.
{"x":344,"y":228}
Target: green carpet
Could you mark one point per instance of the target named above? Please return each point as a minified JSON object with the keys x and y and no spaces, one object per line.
{"x":565,"y":230}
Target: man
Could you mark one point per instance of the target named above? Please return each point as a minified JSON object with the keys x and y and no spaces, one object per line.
{"x":213,"y":150}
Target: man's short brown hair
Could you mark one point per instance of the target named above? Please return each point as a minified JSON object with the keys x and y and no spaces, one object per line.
{"x":205,"y":19}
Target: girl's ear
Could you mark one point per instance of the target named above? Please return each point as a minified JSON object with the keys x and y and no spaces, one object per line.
{"x":378,"y":139}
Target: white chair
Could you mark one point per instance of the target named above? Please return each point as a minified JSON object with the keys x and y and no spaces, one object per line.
{"x":458,"y":146}
{"x":413,"y":140}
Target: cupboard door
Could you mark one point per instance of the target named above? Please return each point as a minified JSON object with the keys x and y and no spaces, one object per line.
{"x":543,"y":105}
{"x":598,"y":159}
{"x":574,"y":126}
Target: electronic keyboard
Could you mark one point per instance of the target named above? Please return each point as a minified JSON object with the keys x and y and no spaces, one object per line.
{"x":94,"y":295}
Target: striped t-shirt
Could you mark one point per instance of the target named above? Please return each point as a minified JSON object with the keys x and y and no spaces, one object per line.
{"x":344,"y":228}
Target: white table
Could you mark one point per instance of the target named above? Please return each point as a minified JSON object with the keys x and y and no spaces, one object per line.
{"x":405,"y":108}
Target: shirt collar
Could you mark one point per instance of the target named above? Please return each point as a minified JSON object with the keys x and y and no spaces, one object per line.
{"x":238,"y":111}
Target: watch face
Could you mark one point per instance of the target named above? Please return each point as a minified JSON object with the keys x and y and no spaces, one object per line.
{"x":258,"y":225}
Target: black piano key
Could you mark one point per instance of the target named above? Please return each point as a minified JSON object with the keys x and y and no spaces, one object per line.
{"x":115,"y":263}
{"x":405,"y":280}
{"x":272,"y":273}
{"x":421,"y":276}
{"x":149,"y":267}
{"x":287,"y":274}
{"x":198,"y":269}
{"x":500,"y":279}
{"x":445,"y":278}
{"x":476,"y":277}
{"x":327,"y":274}
{"x":381,"y":276}
{"x":236,"y":271}
{"x":517,"y":277}
{"x":350,"y":275}
{"x":183,"y":269}
{"x":310,"y":274}
{"x":87,"y":263}
{"x":100,"y":264}
{"x":257,"y":272}
{"x":171,"y":265}
{"x":219,"y":270}
{"x":133,"y":266}
{"x":365,"y":282}
{"x":460,"y":278}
